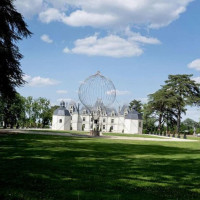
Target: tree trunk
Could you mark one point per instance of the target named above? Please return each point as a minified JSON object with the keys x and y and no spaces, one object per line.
{"x":160,"y":124}
{"x":167,"y":125}
{"x":178,"y":123}
{"x":5,"y":123}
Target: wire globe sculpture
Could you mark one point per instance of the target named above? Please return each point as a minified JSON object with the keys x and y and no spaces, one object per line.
{"x":97,"y":88}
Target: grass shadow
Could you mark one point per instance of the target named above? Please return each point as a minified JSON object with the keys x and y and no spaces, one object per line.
{"x":53,"y":167}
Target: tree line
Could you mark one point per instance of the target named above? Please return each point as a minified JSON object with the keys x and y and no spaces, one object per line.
{"x":163,"y":111}
{"x":25,"y":112}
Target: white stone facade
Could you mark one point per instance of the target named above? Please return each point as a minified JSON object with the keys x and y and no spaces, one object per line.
{"x":109,"y":120}
{"x":61,"y":122}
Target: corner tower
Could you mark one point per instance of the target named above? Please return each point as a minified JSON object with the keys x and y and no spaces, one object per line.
{"x":61,"y":118}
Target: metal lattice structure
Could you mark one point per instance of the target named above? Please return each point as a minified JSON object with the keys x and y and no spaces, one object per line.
{"x":94,"y":88}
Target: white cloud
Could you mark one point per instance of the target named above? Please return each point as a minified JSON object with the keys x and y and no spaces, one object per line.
{"x":137,"y":37}
{"x":196,"y":79}
{"x":111,"y":45}
{"x":61,"y":91}
{"x":83,"y":18}
{"x":51,"y":14}
{"x":122,"y":92}
{"x":27,"y":77}
{"x":118,"y":92}
{"x":121,"y":13}
{"x":66,"y":50}
{"x":46,"y":38}
{"x":77,"y":18}
{"x":29,"y":7}
{"x":195,"y":64}
{"x":39,"y":81}
{"x":111,"y":16}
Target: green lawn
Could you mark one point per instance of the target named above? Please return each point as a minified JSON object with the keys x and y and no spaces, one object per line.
{"x":56,"y":131}
{"x":36,"y":167}
{"x":193,"y":137}
{"x":132,"y":135}
{"x":87,"y":133}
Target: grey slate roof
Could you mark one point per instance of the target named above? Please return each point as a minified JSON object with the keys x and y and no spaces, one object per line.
{"x":84,"y":108}
{"x":133,"y":114}
{"x":75,"y":107}
{"x":124,"y":108}
{"x":62,"y":111}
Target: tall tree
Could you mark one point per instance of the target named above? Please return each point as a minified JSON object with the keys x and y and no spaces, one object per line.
{"x":44,"y":111}
{"x":136,"y":104}
{"x":161,"y":104}
{"x":12,"y":29}
{"x":13,"y":111}
{"x":189,"y":124}
{"x":149,"y":120}
{"x":185,"y":92}
{"x":29,"y":110}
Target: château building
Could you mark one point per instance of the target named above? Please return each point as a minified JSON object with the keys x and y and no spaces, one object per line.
{"x":72,"y":117}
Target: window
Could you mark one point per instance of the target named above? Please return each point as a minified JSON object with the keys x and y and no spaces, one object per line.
{"x":112,"y":120}
{"x":104,"y":120}
{"x":83,"y":127}
{"x":60,"y":120}
{"x":83,"y":118}
{"x":111,"y":128}
{"x":113,"y":114}
{"x":104,"y":127}
{"x":140,"y":124}
{"x":91,"y":119}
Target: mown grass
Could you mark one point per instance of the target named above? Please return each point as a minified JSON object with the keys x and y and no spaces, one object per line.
{"x":193,"y":137}
{"x":58,"y":131}
{"x":87,"y":133}
{"x":131,"y":135}
{"x":38,"y":167}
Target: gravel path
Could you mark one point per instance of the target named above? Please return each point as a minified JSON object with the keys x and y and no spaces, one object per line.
{"x":164,"y":139}
{"x":152,"y":139}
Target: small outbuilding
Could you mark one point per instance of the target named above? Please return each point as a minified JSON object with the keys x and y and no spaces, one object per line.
{"x":61,"y":118}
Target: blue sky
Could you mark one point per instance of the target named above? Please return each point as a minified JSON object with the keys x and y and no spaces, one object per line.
{"x":135,"y":43}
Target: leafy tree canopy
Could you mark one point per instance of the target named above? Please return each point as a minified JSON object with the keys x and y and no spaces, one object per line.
{"x":12,"y":29}
{"x":136,"y":104}
{"x":185,"y":92}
